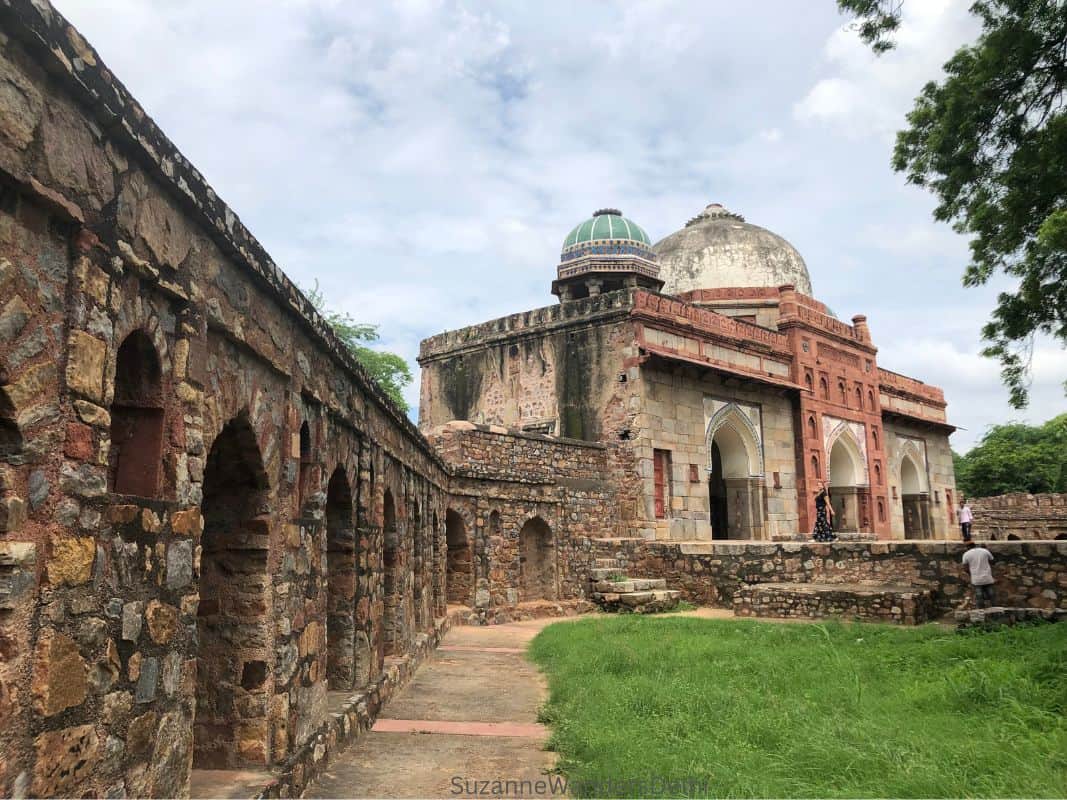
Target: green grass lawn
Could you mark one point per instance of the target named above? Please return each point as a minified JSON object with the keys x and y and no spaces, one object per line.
{"x":757,"y":709}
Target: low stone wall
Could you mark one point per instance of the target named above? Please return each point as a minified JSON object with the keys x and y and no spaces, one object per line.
{"x":1020,"y":515}
{"x":819,"y":600}
{"x":1030,"y":574}
{"x":996,"y":616}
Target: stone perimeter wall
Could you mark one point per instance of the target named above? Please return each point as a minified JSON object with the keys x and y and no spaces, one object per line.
{"x":1030,"y":574}
{"x":503,"y":480}
{"x":1025,"y":516}
{"x":274,"y":503}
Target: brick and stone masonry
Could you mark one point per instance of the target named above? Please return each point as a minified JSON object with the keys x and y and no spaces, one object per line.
{"x":222,"y":546}
{"x":210,"y":518}
{"x":1020,"y":516}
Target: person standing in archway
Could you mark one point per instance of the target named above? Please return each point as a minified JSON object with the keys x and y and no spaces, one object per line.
{"x":824,"y":516}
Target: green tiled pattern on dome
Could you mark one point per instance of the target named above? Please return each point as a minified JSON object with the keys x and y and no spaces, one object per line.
{"x":607,"y":226}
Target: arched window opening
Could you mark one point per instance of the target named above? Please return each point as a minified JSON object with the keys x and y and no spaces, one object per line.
{"x":824,"y":388}
{"x":303,"y":491}
{"x":812,"y":428}
{"x":859,"y":398}
{"x":815,"y":466}
{"x":841,"y":390}
{"x":459,"y":567}
{"x":305,"y":441}
{"x":341,"y":666}
{"x":874,"y":437}
{"x":881,"y":510}
{"x":537,"y":561}
{"x":233,"y":681}
{"x":136,"y":454}
{"x":878,"y":474}
{"x":870,"y":400}
{"x":809,"y":382}
{"x":10,"y":436}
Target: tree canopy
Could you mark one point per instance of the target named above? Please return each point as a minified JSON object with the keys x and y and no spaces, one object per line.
{"x":390,"y":371}
{"x":1016,"y":458}
{"x":990,"y":141}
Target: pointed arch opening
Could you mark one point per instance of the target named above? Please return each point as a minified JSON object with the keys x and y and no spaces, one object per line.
{"x":914,"y":498}
{"x":459,"y":566}
{"x":537,"y":561}
{"x":341,"y":667}
{"x":735,"y":482}
{"x":234,"y":676}
{"x":135,"y":460}
{"x":846,"y":474}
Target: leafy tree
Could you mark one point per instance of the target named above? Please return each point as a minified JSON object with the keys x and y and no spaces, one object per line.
{"x":990,"y":141}
{"x":390,"y":371}
{"x":1016,"y":458}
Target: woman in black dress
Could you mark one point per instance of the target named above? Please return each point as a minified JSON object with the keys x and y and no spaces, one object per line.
{"x":824,"y":515}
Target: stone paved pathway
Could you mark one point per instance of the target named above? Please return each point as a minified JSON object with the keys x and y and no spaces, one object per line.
{"x":469,"y":715}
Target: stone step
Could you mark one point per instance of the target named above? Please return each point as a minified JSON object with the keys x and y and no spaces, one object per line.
{"x":603,"y":573}
{"x":646,"y":602}
{"x":629,"y":585}
{"x":614,"y":587}
{"x":609,"y":563}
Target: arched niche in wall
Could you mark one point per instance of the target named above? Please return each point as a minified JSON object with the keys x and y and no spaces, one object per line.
{"x":341,"y":656}
{"x":392,"y":565}
{"x":137,"y":419}
{"x":459,"y":565}
{"x":233,"y":658}
{"x":537,"y":561}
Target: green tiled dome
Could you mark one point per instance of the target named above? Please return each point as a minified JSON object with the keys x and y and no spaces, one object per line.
{"x":608,"y":224}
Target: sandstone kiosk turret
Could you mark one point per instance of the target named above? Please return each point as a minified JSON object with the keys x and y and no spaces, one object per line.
{"x":605,"y":253}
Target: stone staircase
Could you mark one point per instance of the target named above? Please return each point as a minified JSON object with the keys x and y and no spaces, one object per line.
{"x":612,"y":590}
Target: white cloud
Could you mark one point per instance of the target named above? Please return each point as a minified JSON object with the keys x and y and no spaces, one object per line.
{"x":424,"y":160}
{"x":864,"y":94}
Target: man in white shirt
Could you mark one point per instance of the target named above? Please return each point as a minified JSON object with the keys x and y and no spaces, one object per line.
{"x":966,"y":518}
{"x":977,"y":560}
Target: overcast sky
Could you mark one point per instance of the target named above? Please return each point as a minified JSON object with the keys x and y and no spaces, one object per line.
{"x":424,"y":160}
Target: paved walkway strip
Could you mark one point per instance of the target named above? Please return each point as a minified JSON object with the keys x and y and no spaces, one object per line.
{"x":477,"y":699}
{"x":523,"y":729}
{"x":459,"y":648}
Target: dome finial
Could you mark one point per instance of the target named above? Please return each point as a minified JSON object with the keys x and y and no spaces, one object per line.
{"x":612,"y":211}
{"x":714,"y":211}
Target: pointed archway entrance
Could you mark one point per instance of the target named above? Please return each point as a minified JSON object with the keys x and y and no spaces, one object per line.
{"x":915,"y":499}
{"x":847,"y":484}
{"x":736,"y":491}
